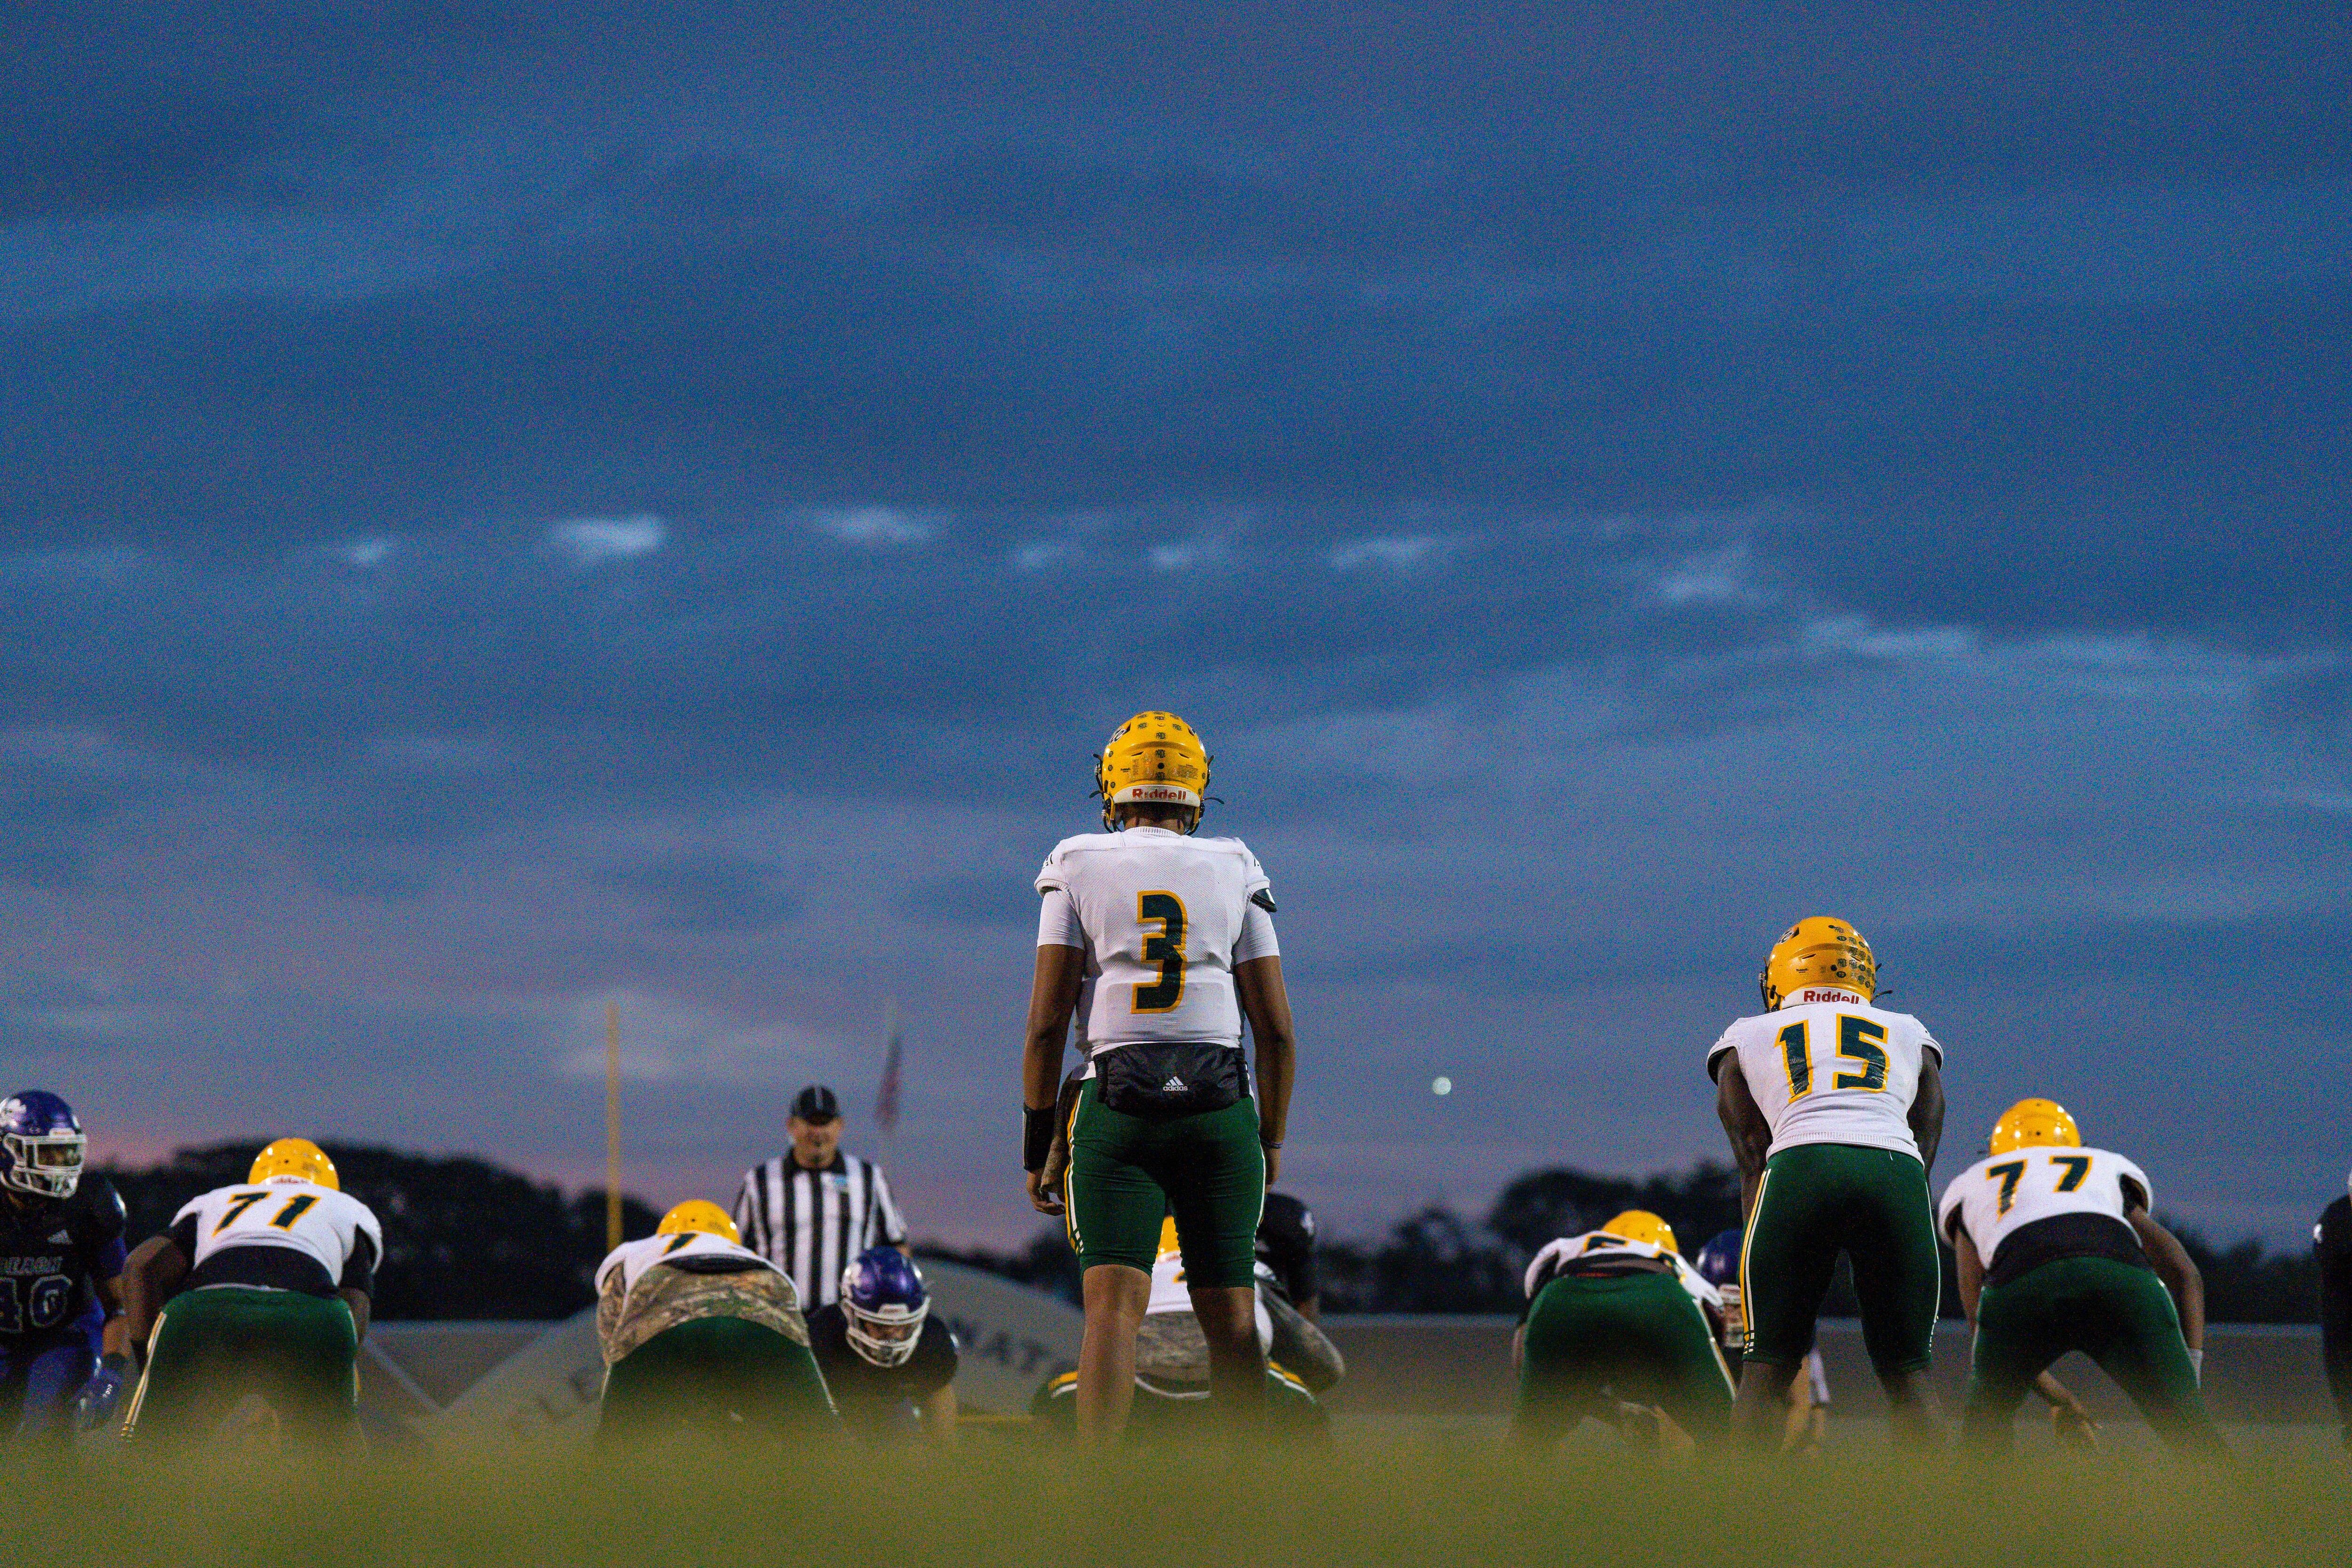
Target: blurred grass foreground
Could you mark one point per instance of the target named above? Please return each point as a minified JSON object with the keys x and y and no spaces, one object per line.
{"x":1364,"y":1499}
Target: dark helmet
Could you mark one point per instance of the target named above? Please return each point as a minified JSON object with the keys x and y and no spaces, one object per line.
{"x":883,"y":1304}
{"x":1718,"y":1261}
{"x":41,"y":1145}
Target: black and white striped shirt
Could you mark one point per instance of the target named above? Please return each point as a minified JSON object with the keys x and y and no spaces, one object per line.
{"x":810,"y":1223}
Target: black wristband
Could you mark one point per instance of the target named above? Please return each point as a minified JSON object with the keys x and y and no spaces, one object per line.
{"x":115,"y":1361}
{"x":1036,"y":1136}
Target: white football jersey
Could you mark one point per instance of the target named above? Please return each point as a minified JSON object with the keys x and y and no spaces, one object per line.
{"x":2002,"y":1193}
{"x":634,"y":1258}
{"x":1164,"y":919}
{"x":1598,"y":1244}
{"x":312,"y":1219}
{"x":1170,"y":1294}
{"x":1829,"y":1068}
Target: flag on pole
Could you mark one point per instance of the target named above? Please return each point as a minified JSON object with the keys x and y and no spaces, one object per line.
{"x":885,"y":1100}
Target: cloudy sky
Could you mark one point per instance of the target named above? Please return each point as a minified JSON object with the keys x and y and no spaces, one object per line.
{"x":504,"y":508}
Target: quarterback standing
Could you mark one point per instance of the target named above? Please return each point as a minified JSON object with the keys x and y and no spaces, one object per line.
{"x":263,"y":1288}
{"x":2057,"y":1252}
{"x":1834,"y":1108}
{"x":1161,"y":944}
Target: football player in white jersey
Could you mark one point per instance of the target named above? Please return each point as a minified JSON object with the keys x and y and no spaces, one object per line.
{"x":1618,"y":1326}
{"x":1171,"y":1361}
{"x":1834,"y":1108}
{"x":2057,"y":1252}
{"x":262,"y":1287}
{"x":702,"y":1334}
{"x":1161,"y":944}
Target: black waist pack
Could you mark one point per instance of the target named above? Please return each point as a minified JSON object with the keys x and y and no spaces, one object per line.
{"x":1171,"y":1078}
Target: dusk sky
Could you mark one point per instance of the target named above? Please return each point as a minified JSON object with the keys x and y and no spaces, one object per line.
{"x":507,"y":508}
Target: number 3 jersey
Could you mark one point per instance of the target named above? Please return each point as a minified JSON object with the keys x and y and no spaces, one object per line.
{"x":51,"y":1252}
{"x":279,"y":1236}
{"x":1829,"y":1068}
{"x":1164,"y":919}
{"x":2043,"y":1202}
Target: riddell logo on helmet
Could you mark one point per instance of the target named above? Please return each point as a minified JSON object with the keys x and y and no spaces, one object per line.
{"x":1160,"y":792}
{"x":1833,"y":993}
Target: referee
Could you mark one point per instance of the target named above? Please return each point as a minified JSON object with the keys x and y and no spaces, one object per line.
{"x":812,"y":1210}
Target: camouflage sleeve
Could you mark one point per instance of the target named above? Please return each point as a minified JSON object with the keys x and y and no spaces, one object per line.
{"x":1302,"y":1349}
{"x":608,"y":1312}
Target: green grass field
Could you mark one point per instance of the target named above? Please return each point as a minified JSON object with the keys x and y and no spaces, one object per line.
{"x":1366,"y":1501}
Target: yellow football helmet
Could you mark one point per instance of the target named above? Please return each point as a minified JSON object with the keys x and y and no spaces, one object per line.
{"x":295,"y":1160}
{"x":1641,"y":1225}
{"x":694,"y":1214}
{"x":2034,"y":1122}
{"x":1153,"y":758}
{"x":1820,"y":949}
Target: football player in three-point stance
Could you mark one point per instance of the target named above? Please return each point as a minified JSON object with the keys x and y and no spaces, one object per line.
{"x":1161,"y":944}
{"x":702,"y":1335}
{"x":262,"y":1287}
{"x":1618,"y":1326}
{"x":61,"y":1272}
{"x":1834,"y":1108}
{"x":2057,"y":1252}
{"x":1171,"y":1361}
{"x":888,"y":1364}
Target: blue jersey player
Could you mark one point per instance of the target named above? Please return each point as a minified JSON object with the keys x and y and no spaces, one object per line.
{"x":60,"y":1268}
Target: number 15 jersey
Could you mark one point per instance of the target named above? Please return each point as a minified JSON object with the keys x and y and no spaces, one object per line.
{"x":1829,"y":1068}
{"x":1164,"y":919}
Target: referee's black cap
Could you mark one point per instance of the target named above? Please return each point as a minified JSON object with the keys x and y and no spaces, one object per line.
{"x":816,"y":1103}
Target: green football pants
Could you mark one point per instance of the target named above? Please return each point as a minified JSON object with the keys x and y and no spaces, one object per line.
{"x":212,"y":1347}
{"x":1636,"y":1337}
{"x":1816,"y":1201}
{"x":712,"y":1376}
{"x":2118,"y":1315}
{"x":1129,"y":1172}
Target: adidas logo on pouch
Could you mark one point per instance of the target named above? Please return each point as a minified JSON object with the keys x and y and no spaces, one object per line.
{"x":1173,"y":1084}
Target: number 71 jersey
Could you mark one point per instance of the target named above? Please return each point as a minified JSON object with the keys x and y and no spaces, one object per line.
{"x":1829,"y":1068}
{"x":317,"y":1221}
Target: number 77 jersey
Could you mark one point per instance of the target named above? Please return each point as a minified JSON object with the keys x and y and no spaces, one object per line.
{"x":1829,"y":1068}
{"x":2002,"y":1195}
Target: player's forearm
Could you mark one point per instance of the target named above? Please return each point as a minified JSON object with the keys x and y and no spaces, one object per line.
{"x":2179,"y":1271}
{"x":1927,"y":1115}
{"x":149,"y":1275}
{"x":1744,"y":1125}
{"x":357,"y":1300}
{"x":1277,"y":1062}
{"x":1041,"y":1070}
{"x":1265,"y":1004}
{"x":1053,"y":997}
